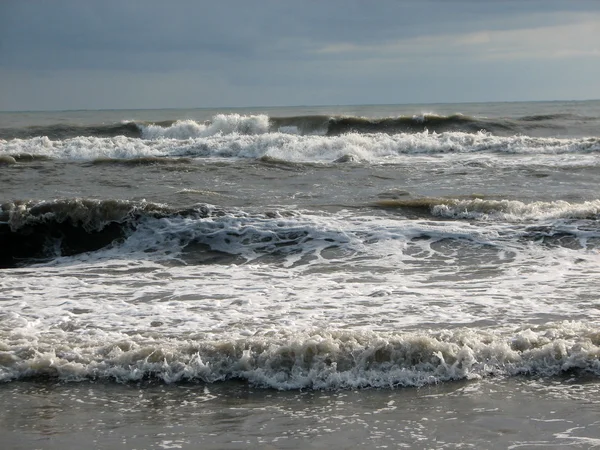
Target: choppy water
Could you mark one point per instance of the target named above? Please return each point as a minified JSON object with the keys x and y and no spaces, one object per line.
{"x":371,"y":247}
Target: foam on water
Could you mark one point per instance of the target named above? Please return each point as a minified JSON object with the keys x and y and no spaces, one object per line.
{"x":345,"y":302}
{"x":90,"y":214}
{"x":224,"y":141}
{"x":220,"y":124}
{"x":300,"y":236}
{"x":410,"y":290}
{"x":499,"y":210}
{"x":295,"y":360}
{"x":337,"y":272}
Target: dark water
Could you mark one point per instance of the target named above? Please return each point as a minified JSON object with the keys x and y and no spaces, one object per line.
{"x":297,"y":277}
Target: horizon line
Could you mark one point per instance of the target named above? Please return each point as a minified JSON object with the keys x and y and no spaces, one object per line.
{"x":293,"y":106}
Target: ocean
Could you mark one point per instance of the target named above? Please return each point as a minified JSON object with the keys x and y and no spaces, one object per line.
{"x":378,"y":276}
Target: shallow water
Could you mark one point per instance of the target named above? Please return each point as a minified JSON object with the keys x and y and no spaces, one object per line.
{"x":503,"y":413}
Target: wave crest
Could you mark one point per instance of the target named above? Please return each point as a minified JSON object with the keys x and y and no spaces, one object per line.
{"x":317,"y":124}
{"x":220,"y":124}
{"x":498,"y":210}
{"x":33,"y":230}
{"x":314,"y":359}
{"x":294,"y":148}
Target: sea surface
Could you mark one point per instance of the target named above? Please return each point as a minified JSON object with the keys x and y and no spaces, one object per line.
{"x":396,"y":276}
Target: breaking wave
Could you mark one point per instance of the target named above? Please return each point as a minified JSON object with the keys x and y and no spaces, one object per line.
{"x":326,"y":125}
{"x":34,"y":232}
{"x":497,"y":210}
{"x":295,"y":148}
{"x":314,"y":359}
{"x":41,"y":230}
{"x":220,"y":124}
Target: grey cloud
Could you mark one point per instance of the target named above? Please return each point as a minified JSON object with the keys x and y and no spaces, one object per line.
{"x":187,"y":53}
{"x":186,"y":34}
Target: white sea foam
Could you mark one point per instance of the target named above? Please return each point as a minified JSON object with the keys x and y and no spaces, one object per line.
{"x":316,"y":301}
{"x":423,"y":117}
{"x":224,"y":141}
{"x":90,"y":214}
{"x":220,"y":124}
{"x":325,"y":359}
{"x":514,"y":210}
{"x":289,"y":130}
{"x":361,"y":273}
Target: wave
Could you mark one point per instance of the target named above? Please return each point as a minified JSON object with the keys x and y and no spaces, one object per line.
{"x":497,"y":210}
{"x":297,"y":148}
{"x":34,"y":232}
{"x":45,"y":232}
{"x":41,"y":230}
{"x":326,"y":125}
{"x":220,"y":124}
{"x":66,"y":131}
{"x":315,"y":359}
{"x":168,"y":129}
{"x":419,"y":123}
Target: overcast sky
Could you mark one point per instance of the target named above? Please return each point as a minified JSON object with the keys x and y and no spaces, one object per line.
{"x":105,"y":54}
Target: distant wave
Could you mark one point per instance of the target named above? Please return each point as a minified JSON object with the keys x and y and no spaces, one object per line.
{"x":314,"y":359}
{"x":324,"y":125}
{"x":497,"y":210}
{"x":169,"y":129}
{"x":417,"y":123}
{"x":66,"y":131}
{"x":220,"y":124}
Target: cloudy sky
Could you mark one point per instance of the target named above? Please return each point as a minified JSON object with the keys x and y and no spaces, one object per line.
{"x":105,"y":54}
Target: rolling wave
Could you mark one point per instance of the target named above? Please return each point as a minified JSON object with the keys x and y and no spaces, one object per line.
{"x":66,"y":131}
{"x":33,"y":232}
{"x":419,"y":123}
{"x":497,"y":210}
{"x":41,"y":230}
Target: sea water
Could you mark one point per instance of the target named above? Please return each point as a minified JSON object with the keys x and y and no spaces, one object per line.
{"x":422,"y":276}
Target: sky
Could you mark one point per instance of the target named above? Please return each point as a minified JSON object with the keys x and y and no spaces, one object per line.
{"x":126,"y":54}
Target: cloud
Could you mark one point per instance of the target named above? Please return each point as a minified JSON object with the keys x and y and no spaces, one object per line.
{"x":158,"y":35}
{"x":273,"y":52}
{"x":580,"y":37}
